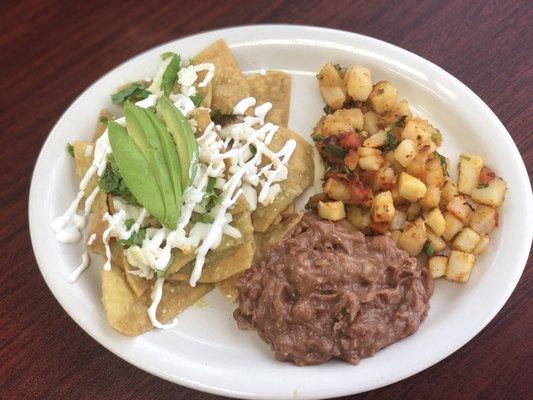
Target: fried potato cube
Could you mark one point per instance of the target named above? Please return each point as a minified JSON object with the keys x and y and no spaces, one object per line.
{"x":413,"y":237}
{"x":332,"y":210}
{"x":484,"y":219}
{"x":370,"y":122}
{"x":469,"y":168}
{"x":417,"y":130}
{"x":398,"y":220}
{"x":431,"y":199}
{"x":359,"y":217}
{"x":376,"y":140}
{"x":383,"y":207}
{"x":437,"y":266}
{"x":405,"y":152}
{"x":413,"y":211}
{"x":395,"y":235}
{"x":336,"y":190}
{"x":398,"y":113}
{"x":460,"y":208}
{"x":342,"y":121}
{"x":410,"y":187}
{"x":329,"y":76}
{"x":436,"y":241}
{"x":435,"y":220}
{"x":460,"y":265}
{"x":434,"y":173}
{"x":492,"y":195}
{"x":371,"y":163}
{"x":358,"y":82}
{"x":334,"y":96}
{"x":466,"y":240}
{"x":449,"y":191}
{"x":367,"y":151}
{"x":453,"y":226}
{"x":385,"y":179}
{"x":383,"y":97}
{"x":482,"y":246}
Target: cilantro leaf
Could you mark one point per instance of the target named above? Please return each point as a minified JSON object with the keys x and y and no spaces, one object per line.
{"x":111,"y":182}
{"x":136,"y":238}
{"x":136,"y":90}
{"x":429,"y":249}
{"x":443,"y":164}
{"x":211,"y":182}
{"x":336,"y":151}
{"x":171,"y":73}
{"x":328,"y":110}
{"x":70,"y":149}
{"x":253,"y":150}
{"x":216,"y":116}
{"x":390,"y":141}
{"x":103,"y":120}
{"x":129,"y":223}
{"x":205,"y":218}
{"x":196,"y":99}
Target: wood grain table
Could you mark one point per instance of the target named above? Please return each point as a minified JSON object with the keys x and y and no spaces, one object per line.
{"x":51,"y":50}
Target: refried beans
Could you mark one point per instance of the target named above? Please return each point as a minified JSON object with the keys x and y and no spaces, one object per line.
{"x":325,"y":292}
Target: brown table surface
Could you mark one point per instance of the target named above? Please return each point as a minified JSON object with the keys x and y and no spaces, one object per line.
{"x":50,"y":51}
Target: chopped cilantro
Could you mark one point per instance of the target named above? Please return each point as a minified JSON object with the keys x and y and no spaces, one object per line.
{"x":317,"y":138}
{"x":70,"y":149}
{"x":429,"y":249}
{"x":205,"y":218}
{"x":443,"y":164}
{"x":103,"y":120}
{"x":129,"y":223}
{"x":328,"y":110}
{"x":336,"y":151}
{"x":216,"y":116}
{"x":340,"y":70}
{"x":390,"y":140}
{"x":465,"y":157}
{"x":482,"y":185}
{"x":111,"y":182}
{"x":135,"y":90}
{"x":167,"y":54}
{"x":211,"y":182}
{"x":136,"y":238}
{"x":253,"y":150}
{"x":196,"y":99}
{"x":436,"y":136}
{"x":171,"y":73}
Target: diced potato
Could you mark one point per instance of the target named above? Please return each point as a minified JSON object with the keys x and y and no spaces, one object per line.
{"x":492,"y":195}
{"x":469,"y":168}
{"x":482,"y":246}
{"x":435,"y":220}
{"x":410,"y":187}
{"x":484,"y":219}
{"x":383,"y":97}
{"x":466,"y":240}
{"x":417,"y":130}
{"x":371,"y":121}
{"x":336,"y":190}
{"x":449,"y":191}
{"x":405,"y":152}
{"x":437,"y":266}
{"x":399,"y":112}
{"x":359,"y":217}
{"x":341,"y":121}
{"x":395,"y":235}
{"x":434,"y":173}
{"x":436,"y":241}
{"x":376,"y":140}
{"x":385,"y":179}
{"x":413,"y":237}
{"x":334,"y":96}
{"x":371,"y":163}
{"x":413,"y":211}
{"x":329,"y":76}
{"x":460,"y":208}
{"x":383,"y":207}
{"x":398,"y":220}
{"x":431,"y":198}
{"x":460,"y":265}
{"x":367,"y":151}
{"x":398,"y":200}
{"x":358,"y":81}
{"x":332,"y":210}
{"x":453,"y":225}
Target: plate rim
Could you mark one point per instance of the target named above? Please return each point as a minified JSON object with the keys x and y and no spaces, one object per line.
{"x":197,"y":385}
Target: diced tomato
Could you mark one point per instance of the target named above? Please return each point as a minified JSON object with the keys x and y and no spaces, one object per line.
{"x":486,"y":175}
{"x":360,"y":194}
{"x":351,"y":160}
{"x":379,"y":227}
{"x":350,"y":140}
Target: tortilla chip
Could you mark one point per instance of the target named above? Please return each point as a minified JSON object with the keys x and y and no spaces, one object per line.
{"x":202,"y":118}
{"x":179,"y":261}
{"x":229,"y":85}
{"x":101,"y":124}
{"x":265,"y":240}
{"x":275,"y":87}
{"x":138,"y":285}
{"x":128,"y":314}
{"x":220,"y":264}
{"x":301,"y":174}
{"x":228,"y":289}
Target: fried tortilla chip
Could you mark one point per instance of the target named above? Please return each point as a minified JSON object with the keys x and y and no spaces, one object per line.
{"x":229,"y":85}
{"x":202,"y":118}
{"x":301,"y":174}
{"x":228,"y":289}
{"x":83,"y":158}
{"x":128,"y":313}
{"x":220,"y":265}
{"x":275,"y":87}
{"x":265,"y":240}
{"x":138,"y":285}
{"x":101,"y":124}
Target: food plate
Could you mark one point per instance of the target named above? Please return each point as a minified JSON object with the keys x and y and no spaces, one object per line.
{"x":206,"y":351}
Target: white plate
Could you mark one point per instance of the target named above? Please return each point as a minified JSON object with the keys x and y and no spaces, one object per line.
{"x":206,"y":351}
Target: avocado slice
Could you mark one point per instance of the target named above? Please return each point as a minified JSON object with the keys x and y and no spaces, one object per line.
{"x":141,"y":129}
{"x":135,"y":171}
{"x":171,"y":157}
{"x":183,"y":135}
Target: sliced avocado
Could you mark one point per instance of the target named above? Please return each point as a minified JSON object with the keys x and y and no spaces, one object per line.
{"x":171,"y":157}
{"x":135,"y":171}
{"x":184,"y":138}
{"x":141,"y":129}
